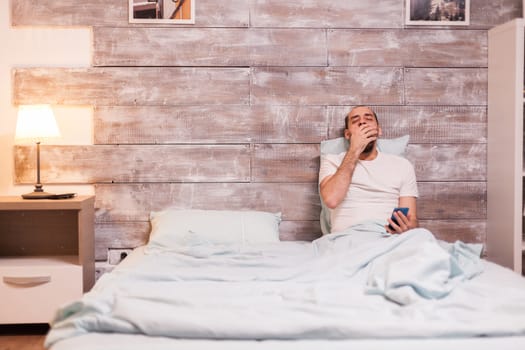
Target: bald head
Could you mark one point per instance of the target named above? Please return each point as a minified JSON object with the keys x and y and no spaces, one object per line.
{"x":356,"y":110}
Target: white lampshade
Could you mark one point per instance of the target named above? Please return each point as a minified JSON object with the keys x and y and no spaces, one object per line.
{"x":36,"y":122}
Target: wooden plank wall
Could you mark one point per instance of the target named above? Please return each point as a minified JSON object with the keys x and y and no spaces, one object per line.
{"x":229,"y":112}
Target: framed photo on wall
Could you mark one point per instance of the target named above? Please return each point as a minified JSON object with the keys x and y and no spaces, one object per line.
{"x":437,"y":12}
{"x":162,"y":11}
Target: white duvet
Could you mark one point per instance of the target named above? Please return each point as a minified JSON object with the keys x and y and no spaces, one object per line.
{"x":355,"y":284}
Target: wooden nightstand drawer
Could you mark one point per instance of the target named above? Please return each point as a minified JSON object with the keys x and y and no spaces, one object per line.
{"x":46,"y":255}
{"x":31,"y":289}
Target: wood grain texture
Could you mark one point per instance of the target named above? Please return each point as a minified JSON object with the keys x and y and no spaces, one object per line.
{"x":446,"y":86}
{"x":448,"y":162}
{"x":487,"y":14}
{"x":234,"y":13}
{"x":262,"y":13}
{"x":119,"y":235}
{"x":133,"y":202}
{"x":452,"y":200}
{"x":468,"y":231}
{"x":408,"y":48}
{"x":209,"y":124}
{"x":211,"y":13}
{"x":326,"y":14}
{"x":432,"y":162}
{"x":281,"y":124}
{"x":166,"y":86}
{"x":285,"y":163}
{"x":288,"y":86}
{"x":68,"y":12}
{"x":322,"y":86}
{"x":424,"y":124}
{"x":225,"y":163}
{"x":299,"y":230}
{"x":209,"y":47}
{"x":128,"y":163}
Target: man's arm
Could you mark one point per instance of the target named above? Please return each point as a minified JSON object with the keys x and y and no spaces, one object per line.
{"x":334,"y":187}
{"x":404,"y":223}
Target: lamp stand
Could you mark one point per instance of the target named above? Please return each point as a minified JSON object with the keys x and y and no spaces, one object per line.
{"x":38,"y":192}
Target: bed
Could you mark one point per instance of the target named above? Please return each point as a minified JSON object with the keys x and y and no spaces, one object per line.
{"x":218,"y":279}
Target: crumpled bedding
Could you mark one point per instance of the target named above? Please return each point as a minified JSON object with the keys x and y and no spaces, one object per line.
{"x":361,"y":283}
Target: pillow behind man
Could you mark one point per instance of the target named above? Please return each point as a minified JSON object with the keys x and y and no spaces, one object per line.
{"x":395,"y":146}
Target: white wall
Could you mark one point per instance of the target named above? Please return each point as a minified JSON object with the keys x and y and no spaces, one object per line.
{"x":40,"y":47}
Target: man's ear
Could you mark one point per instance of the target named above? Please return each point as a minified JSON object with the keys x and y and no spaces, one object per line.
{"x":347,"y":134}
{"x":380,"y":132}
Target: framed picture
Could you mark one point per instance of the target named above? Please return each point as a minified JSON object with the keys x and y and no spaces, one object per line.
{"x":162,"y":11}
{"x":437,"y":12}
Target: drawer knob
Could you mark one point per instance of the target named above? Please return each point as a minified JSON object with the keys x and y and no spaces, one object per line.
{"x":24,"y":281}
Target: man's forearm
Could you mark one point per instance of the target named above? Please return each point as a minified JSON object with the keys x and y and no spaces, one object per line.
{"x":335,"y":187}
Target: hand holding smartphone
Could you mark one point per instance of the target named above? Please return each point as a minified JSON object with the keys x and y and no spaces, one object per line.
{"x":404,"y":210}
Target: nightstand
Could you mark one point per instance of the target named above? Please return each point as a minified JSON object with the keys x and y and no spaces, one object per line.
{"x":46,"y":256}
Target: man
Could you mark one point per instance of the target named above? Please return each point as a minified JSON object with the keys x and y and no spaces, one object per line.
{"x":364,"y":184}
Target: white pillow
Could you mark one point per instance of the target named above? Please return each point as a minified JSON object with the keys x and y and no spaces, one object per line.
{"x":395,"y":146}
{"x":175,"y":227}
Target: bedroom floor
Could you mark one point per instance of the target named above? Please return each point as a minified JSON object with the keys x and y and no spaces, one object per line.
{"x":23,"y":337}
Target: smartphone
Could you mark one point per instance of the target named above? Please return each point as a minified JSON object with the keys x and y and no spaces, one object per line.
{"x":404,"y":210}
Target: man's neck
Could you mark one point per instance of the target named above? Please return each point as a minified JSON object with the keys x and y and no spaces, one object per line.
{"x":369,"y":155}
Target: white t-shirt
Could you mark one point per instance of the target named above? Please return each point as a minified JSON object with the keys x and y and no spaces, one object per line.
{"x":375,"y":189}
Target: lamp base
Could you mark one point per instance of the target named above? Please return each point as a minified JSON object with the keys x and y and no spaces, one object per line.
{"x":37,"y":195}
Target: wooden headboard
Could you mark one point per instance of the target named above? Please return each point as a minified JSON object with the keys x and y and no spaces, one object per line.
{"x":228,"y":113}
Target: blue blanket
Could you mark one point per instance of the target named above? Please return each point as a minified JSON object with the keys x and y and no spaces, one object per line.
{"x":407,"y":267}
{"x":362,"y":283}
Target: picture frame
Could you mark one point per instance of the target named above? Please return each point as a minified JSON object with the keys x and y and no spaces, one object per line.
{"x":162,"y":11}
{"x":437,"y":12}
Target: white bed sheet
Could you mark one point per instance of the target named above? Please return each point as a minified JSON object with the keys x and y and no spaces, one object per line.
{"x":112,"y":341}
{"x":494,"y":274}
{"x":99,"y":341}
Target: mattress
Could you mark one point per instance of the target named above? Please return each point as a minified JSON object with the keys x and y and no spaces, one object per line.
{"x":100,"y":341}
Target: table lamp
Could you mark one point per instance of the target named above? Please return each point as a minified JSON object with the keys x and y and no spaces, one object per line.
{"x":36,"y":123}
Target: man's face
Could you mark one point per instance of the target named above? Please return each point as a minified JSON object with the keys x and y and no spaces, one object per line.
{"x":357,"y":119}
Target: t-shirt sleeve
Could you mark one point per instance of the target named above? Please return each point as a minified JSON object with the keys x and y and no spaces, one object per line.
{"x":329,"y":165}
{"x":409,"y":185}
